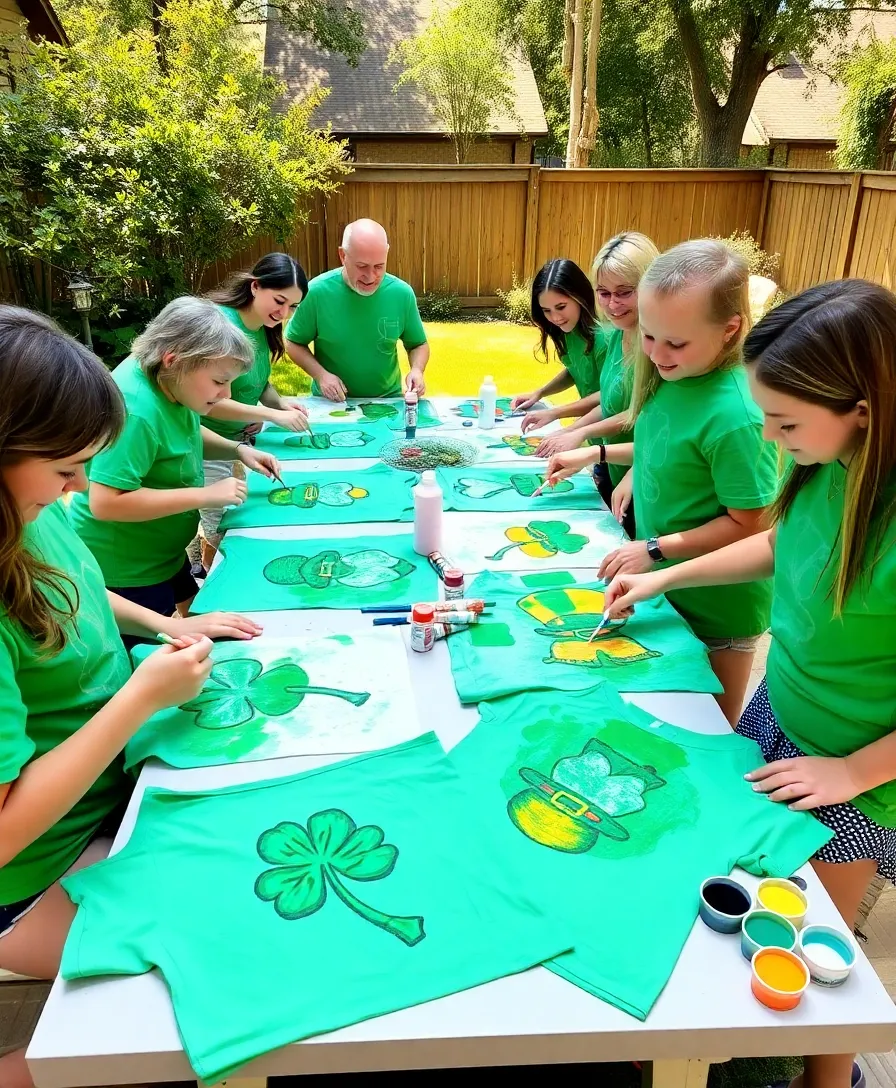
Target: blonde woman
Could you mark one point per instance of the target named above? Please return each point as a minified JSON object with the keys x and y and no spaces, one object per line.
{"x":703,"y":474}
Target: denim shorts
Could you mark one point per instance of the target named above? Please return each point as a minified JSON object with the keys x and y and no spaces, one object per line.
{"x":742,"y":645}
{"x":14,"y":912}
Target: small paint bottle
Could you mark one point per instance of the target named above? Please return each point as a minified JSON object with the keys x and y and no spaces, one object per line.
{"x":422,"y":628}
{"x":454,"y":584}
{"x":427,"y":515}
{"x":410,"y":414}
{"x":488,"y":396}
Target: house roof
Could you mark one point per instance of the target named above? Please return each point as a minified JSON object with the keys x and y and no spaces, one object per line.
{"x":802,"y":102}
{"x":361,"y":100}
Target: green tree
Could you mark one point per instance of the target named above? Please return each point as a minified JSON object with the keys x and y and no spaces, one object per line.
{"x":142,"y":174}
{"x":732,"y":45}
{"x":461,"y":61}
{"x":869,"y":109}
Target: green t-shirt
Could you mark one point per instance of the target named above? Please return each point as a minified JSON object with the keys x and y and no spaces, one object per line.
{"x":258,"y":574}
{"x":510,"y":489}
{"x":615,"y":395}
{"x":356,"y":336}
{"x":160,"y":448}
{"x":699,"y":450}
{"x":832,"y":680}
{"x":44,"y":700}
{"x":325,"y":441}
{"x":248,"y":387}
{"x":585,"y":366}
{"x":325,"y":498}
{"x":332,"y":897}
{"x":613,"y":820}
{"x":536,"y":636}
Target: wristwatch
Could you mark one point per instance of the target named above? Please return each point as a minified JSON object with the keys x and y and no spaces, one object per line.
{"x":654,"y":550}
{"x":603,"y":453}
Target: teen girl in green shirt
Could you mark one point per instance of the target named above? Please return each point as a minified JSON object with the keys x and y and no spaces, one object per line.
{"x":68,"y":699}
{"x":822,"y":367}
{"x":257,"y":302}
{"x":703,"y":474}
{"x":563,"y":310}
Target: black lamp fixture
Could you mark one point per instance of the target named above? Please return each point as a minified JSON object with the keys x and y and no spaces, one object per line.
{"x":82,"y":300}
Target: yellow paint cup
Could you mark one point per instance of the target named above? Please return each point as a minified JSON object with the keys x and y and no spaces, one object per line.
{"x":779,"y":978}
{"x":784,"y":898}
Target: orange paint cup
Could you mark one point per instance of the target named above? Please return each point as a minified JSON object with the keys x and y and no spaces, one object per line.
{"x":779,"y":978}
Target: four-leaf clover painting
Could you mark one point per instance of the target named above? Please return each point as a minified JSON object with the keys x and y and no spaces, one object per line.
{"x":542,"y":540}
{"x":241,"y":687}
{"x":343,"y":439}
{"x":360,"y":570}
{"x":332,"y":849}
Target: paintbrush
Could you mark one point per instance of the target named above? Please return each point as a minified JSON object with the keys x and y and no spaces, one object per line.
{"x":603,"y":623}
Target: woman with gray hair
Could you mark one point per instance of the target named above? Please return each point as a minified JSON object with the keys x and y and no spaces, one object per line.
{"x":141,"y":509}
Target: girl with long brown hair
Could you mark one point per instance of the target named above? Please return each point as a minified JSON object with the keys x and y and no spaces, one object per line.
{"x":822,"y":367}
{"x":68,"y":700}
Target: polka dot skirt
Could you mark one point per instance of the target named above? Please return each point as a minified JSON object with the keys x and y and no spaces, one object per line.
{"x":856,"y":836}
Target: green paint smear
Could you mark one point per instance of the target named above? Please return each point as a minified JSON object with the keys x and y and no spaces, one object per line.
{"x":491,"y":634}
{"x":548,"y":578}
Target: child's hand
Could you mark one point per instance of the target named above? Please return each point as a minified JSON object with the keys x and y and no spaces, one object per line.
{"x":626,"y":590}
{"x":631,"y":558}
{"x":170,"y":676}
{"x":805,"y":782}
{"x":212,"y":625}
{"x":522,"y":402}
{"x":562,"y":465}
{"x":535,"y":420}
{"x":229,"y":492}
{"x":621,"y":498}
{"x":265,"y":463}
{"x":290,"y":419}
{"x":564,"y":442}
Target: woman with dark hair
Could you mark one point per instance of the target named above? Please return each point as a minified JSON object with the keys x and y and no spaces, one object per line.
{"x":258,"y":302}
{"x":68,"y":700}
{"x":564,"y":309}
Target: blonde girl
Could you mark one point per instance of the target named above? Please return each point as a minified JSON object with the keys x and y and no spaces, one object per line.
{"x":703,"y":474}
{"x":822,"y":367}
{"x":147,"y":487}
{"x":68,"y":700}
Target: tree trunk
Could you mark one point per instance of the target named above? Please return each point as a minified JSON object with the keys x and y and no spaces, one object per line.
{"x":575,"y":87}
{"x":884,"y":134}
{"x":588,"y":130}
{"x":568,"y":33}
{"x":157,"y":7}
{"x":646,"y":134}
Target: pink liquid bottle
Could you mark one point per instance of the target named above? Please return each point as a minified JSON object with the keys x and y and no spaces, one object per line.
{"x":427,"y":515}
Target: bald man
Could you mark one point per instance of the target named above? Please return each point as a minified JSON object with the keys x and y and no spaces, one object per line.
{"x":355,"y":315}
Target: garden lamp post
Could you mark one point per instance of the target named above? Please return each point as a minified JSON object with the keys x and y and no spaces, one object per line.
{"x":82,"y":300}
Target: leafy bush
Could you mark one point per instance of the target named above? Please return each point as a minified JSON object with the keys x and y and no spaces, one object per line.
{"x":758,"y":261}
{"x":141,"y":159}
{"x":440,"y":304}
{"x":517,"y":302}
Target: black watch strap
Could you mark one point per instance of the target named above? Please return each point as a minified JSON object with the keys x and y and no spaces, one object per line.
{"x":655,"y":551}
{"x":603,"y":453}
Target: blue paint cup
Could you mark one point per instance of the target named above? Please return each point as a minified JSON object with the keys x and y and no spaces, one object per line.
{"x":724,"y":904}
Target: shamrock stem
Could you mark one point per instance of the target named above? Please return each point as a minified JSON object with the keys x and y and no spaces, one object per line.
{"x":356,"y":698}
{"x":503,"y":551}
{"x":408,"y":930}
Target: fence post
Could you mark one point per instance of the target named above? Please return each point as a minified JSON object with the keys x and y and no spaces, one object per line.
{"x":531,"y":227}
{"x":850,"y":225}
{"x":763,"y":207}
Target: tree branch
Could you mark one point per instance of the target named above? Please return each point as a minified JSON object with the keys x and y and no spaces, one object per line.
{"x":704,"y":99}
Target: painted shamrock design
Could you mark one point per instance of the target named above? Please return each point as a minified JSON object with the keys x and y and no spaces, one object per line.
{"x":372,"y":410}
{"x":307,"y":496}
{"x":522,"y":447}
{"x":470,"y":409}
{"x":240,"y":687}
{"x":309,"y":861}
{"x":542,"y":540}
{"x":344,"y":439}
{"x":525,"y":484}
{"x":361,"y":570}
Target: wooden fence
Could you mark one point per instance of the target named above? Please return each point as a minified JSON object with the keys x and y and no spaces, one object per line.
{"x":473,"y":229}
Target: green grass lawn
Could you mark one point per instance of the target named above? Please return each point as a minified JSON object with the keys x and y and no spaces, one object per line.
{"x":463,"y":352}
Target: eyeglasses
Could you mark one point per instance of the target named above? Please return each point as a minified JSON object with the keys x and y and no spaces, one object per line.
{"x":623,"y":294}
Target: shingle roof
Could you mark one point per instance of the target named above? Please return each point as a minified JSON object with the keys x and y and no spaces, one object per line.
{"x":803,"y":103}
{"x":361,"y":100}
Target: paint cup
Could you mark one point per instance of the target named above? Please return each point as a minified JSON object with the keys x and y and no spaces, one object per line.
{"x":723,"y":903}
{"x":779,"y":978}
{"x":765,"y":929}
{"x":783,"y":897}
{"x":830,"y":954}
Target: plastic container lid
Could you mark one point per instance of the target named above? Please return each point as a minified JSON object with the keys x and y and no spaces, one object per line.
{"x":423,"y":613}
{"x":428,"y":476}
{"x":453,"y":577}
